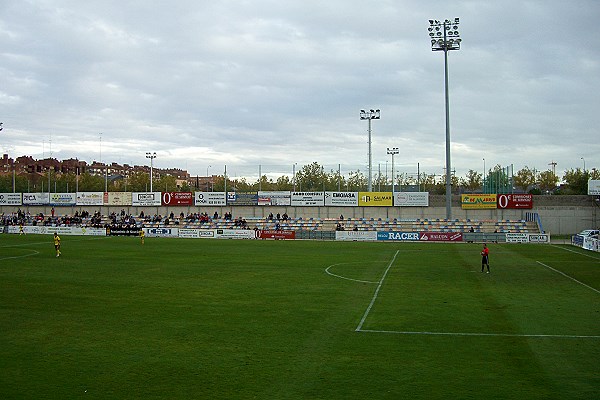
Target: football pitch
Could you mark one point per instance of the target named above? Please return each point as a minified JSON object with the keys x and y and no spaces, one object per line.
{"x":249,"y":319}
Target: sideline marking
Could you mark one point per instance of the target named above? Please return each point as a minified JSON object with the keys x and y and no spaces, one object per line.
{"x":570,"y":277}
{"x":482,"y":334}
{"x":576,"y":252}
{"x":362,"y":321}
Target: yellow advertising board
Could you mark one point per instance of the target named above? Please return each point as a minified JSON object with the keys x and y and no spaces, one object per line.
{"x":478,"y":201}
{"x":381,"y":199}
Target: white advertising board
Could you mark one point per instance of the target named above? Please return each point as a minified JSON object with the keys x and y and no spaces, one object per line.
{"x":117,"y":198}
{"x":210,"y":199}
{"x":146,"y":199}
{"x":301,"y":199}
{"x":278,"y":198}
{"x":411,"y":199}
{"x":356,"y":235}
{"x":234,"y":234}
{"x":161,"y":232}
{"x":193,"y":233}
{"x":36,"y":199}
{"x":90,"y":198}
{"x":341,"y":199}
{"x":594,"y":187}
{"x":11,"y":199}
{"x":61,"y":230}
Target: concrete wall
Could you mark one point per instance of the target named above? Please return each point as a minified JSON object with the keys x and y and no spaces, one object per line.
{"x":560,"y":215}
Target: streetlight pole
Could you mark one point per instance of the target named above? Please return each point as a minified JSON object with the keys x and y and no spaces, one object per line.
{"x":393,"y":151}
{"x":444,"y":36}
{"x":151,"y":156}
{"x":583,"y":164}
{"x":484,"y":176}
{"x":207,"y":177}
{"x":370,"y":115}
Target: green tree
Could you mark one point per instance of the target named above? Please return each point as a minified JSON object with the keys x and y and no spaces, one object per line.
{"x":525,"y":178}
{"x":576,"y":181}
{"x":473,"y":181}
{"x":547,"y":181}
{"x":311,"y":177}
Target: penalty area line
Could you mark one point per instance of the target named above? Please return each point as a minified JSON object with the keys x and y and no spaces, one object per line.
{"x":525,"y":335}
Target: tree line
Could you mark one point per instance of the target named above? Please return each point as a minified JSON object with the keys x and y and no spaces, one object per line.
{"x":313,"y":177}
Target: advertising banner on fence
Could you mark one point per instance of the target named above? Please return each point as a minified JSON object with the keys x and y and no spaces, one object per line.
{"x":63,"y":199}
{"x":117,"y":198}
{"x":61,"y":230}
{"x":398,"y":236}
{"x":478,"y":201}
{"x":36,"y":199}
{"x":275,"y":234}
{"x":242,"y":199}
{"x":279,"y":198}
{"x":516,"y":238}
{"x":308,"y":199}
{"x":161,"y":232}
{"x":440,"y":236}
{"x":375,"y":199}
{"x":90,"y":198}
{"x":515,"y":201}
{"x":341,"y":199}
{"x":193,"y":233}
{"x":411,"y":199}
{"x":11,"y":199}
{"x":177,"y":199}
{"x":594,"y":187}
{"x":356,"y":235}
{"x":234,"y":234}
{"x":146,"y":199}
{"x":538,"y":238}
{"x":210,"y":199}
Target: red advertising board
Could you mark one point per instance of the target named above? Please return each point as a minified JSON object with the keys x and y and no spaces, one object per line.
{"x":440,"y":236}
{"x":276,"y":234}
{"x":177,"y":199}
{"x":515,"y":201}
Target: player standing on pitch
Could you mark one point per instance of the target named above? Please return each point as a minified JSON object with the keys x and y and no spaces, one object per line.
{"x":57,"y":244}
{"x":485,"y":258}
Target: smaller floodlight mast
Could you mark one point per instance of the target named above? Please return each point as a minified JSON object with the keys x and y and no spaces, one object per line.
{"x":370,"y":115}
{"x":151,"y":156}
{"x":393,"y":151}
{"x":444,"y":36}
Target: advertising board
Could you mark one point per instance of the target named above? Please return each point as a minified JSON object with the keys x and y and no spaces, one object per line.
{"x":375,"y":199}
{"x":11,"y":199}
{"x":308,"y":199}
{"x":210,"y":199}
{"x":234,"y":234}
{"x":594,"y":187}
{"x":398,"y":236}
{"x":146,"y":199}
{"x":242,"y":199}
{"x":193,"y":233}
{"x":516,"y":238}
{"x":515,"y":201}
{"x":356,"y":235}
{"x":276,"y":235}
{"x":478,"y":201}
{"x":440,"y":236}
{"x":89,"y":198}
{"x":63,"y":199}
{"x":117,"y":198}
{"x":36,"y":199}
{"x":277,"y":198}
{"x":411,"y":199}
{"x":61,"y":230}
{"x":341,"y":199}
{"x":161,"y":232}
{"x":177,"y":199}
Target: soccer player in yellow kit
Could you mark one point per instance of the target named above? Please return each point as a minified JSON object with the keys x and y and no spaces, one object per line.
{"x":57,"y":244}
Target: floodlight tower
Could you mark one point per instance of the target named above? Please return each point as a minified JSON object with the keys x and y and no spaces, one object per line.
{"x":444,"y":36}
{"x":393,"y":151}
{"x":370,"y":115}
{"x":151,"y":156}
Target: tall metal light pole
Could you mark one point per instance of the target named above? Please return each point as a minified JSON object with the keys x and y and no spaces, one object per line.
{"x":484,"y":176}
{"x":369,"y":115}
{"x":151,"y":156}
{"x":583,"y":164}
{"x":444,"y":36}
{"x":393,"y":151}
{"x":207,"y":177}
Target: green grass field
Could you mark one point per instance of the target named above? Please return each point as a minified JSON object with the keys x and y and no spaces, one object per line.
{"x":234,"y":319}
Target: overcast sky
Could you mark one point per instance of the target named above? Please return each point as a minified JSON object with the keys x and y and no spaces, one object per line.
{"x":253,"y":83}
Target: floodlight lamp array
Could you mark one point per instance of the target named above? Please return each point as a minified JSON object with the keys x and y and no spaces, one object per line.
{"x":444,"y":35}
{"x":371,"y":114}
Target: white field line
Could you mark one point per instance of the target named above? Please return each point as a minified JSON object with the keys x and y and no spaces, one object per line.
{"x":26,"y":255}
{"x":567,"y":276}
{"x":343,"y":277}
{"x":362,"y":321}
{"x":481,"y":334}
{"x":576,"y":252}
